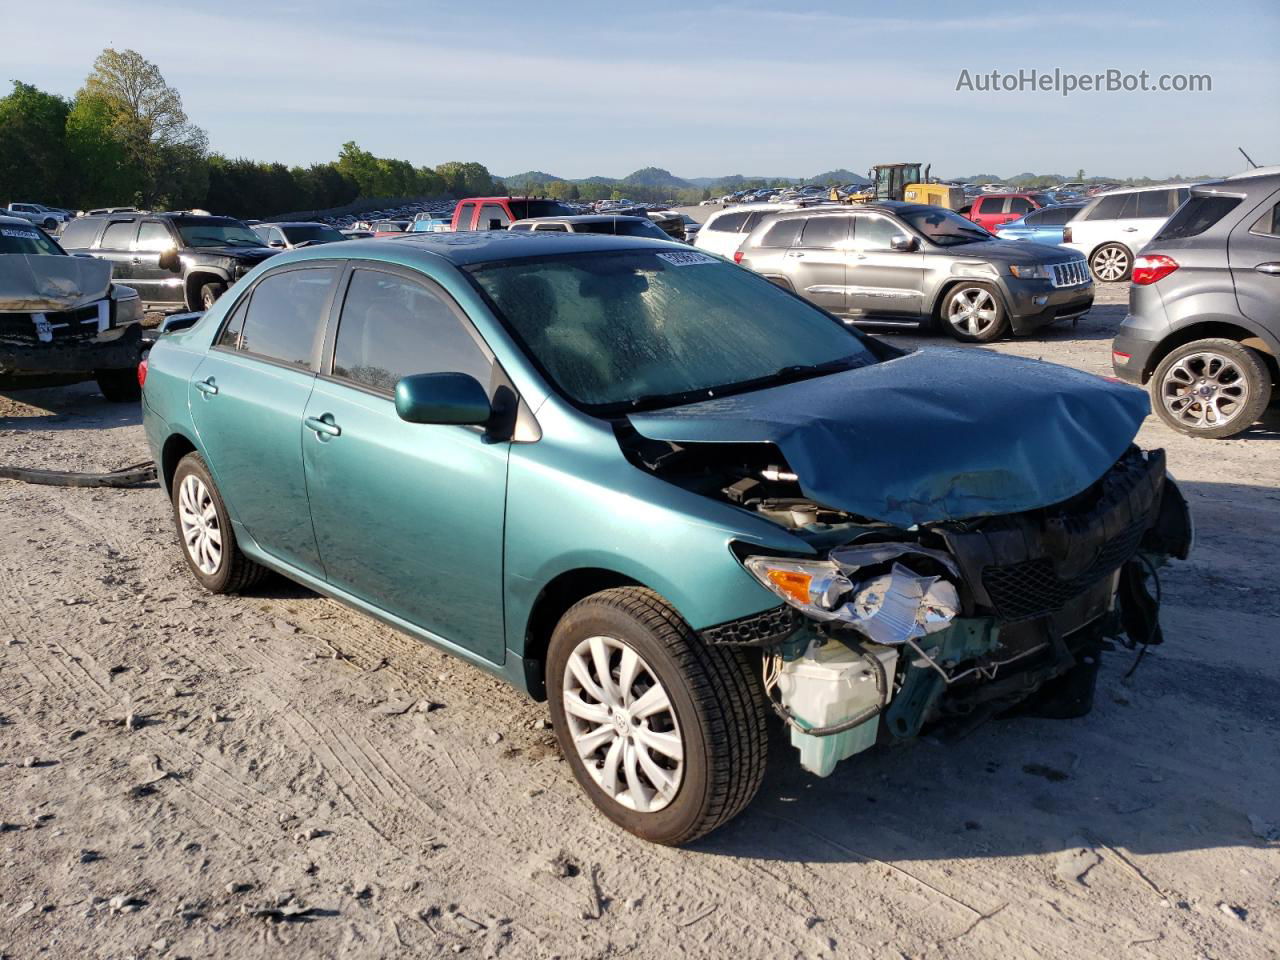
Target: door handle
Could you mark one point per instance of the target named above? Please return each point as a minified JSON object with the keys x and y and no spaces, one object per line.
{"x":1128,"y":229}
{"x":323,"y":426}
{"x":795,"y":254}
{"x":207,"y":387}
{"x":137,"y":261}
{"x":1269,"y":268}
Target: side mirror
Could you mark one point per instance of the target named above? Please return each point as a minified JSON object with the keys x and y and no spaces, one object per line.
{"x":169,"y":260}
{"x":277,"y":244}
{"x":442,"y":398}
{"x":904,"y":244}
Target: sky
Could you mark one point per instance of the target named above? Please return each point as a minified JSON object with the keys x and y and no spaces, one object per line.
{"x":576,"y":89}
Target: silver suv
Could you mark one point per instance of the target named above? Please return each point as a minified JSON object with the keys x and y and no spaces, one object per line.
{"x":1203,"y":330}
{"x":909,"y":264}
{"x":1116,"y":225}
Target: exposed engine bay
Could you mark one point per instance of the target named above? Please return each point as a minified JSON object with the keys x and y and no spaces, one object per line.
{"x":884,"y":632}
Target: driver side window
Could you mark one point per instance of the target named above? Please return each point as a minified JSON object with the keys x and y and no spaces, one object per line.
{"x":392,"y":327}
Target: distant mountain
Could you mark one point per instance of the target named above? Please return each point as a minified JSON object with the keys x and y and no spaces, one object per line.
{"x":841,"y":176}
{"x":656,"y":178}
{"x":530,"y":176}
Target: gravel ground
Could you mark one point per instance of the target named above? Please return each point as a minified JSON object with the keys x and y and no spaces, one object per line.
{"x":272,"y":774}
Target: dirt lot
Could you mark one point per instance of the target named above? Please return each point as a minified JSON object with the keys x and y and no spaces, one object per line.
{"x":273,"y":775}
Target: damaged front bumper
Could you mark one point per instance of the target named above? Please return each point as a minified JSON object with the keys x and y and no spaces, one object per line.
{"x":965,"y":621}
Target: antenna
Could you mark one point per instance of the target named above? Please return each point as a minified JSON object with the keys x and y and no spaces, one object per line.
{"x":1247,"y":157}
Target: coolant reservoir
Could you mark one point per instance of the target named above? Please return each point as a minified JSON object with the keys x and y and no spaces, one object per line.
{"x":830,"y":684}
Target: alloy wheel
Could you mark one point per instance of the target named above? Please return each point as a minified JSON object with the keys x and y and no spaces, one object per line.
{"x":972,"y":310}
{"x":1204,"y":390}
{"x":1111,"y":264}
{"x":198,"y":517}
{"x":623,"y":724}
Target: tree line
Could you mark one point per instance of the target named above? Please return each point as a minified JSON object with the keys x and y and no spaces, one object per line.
{"x":124,"y":139}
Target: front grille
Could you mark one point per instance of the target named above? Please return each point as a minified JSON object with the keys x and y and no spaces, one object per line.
{"x":1021,"y":591}
{"x":67,"y":326}
{"x":1071,"y":273}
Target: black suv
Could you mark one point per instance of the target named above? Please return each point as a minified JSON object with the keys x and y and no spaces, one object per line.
{"x":173,"y":260}
{"x":1203,"y":330}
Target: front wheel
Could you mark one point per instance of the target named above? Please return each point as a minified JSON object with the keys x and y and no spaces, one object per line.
{"x":209,"y":294}
{"x":973,"y":313}
{"x":665,"y":734}
{"x":1211,"y":388}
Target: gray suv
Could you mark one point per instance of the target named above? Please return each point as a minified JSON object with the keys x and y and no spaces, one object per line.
{"x":1203,"y":330}
{"x":910,"y":264}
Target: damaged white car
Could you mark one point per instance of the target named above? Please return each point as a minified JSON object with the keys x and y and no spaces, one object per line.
{"x":62,"y":320}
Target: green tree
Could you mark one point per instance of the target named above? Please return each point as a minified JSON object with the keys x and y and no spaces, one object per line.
{"x":148,"y":121}
{"x":101,"y":174}
{"x":32,"y":155}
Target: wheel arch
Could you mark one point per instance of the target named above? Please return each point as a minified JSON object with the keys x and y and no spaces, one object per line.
{"x":176,"y":446}
{"x":950,"y":283}
{"x":1217,"y":328}
{"x":197,"y":278}
{"x":551,"y":604}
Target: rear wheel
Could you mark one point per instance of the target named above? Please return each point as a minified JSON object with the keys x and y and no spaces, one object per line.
{"x":50,"y":224}
{"x":973,"y":313}
{"x":1111,"y":263}
{"x":1211,"y":388}
{"x":119,"y":386}
{"x":665,"y":734}
{"x":204,"y":527}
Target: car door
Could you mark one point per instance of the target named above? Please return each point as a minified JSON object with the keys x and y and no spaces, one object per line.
{"x":985,"y":209}
{"x":815,"y":264}
{"x":881,"y":281}
{"x":1254,"y":253}
{"x":248,"y":397}
{"x":116,"y":245}
{"x":154,"y":283}
{"x":409,"y":517}
{"x":493,"y":216}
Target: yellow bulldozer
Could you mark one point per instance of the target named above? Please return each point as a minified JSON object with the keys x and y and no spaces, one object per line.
{"x":903,"y":181}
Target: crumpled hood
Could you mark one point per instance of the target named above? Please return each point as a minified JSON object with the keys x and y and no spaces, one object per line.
{"x":938,"y":434}
{"x":35,"y":283}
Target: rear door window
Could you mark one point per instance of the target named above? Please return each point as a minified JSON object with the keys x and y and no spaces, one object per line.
{"x":392,"y":327}
{"x":825,"y":232}
{"x":286,"y":314}
{"x":1052,"y":216}
{"x":1155,"y":203}
{"x":1020,"y":205}
{"x":729,"y":223}
{"x":493,"y":217}
{"x":119,"y":235}
{"x":1268,"y":224}
{"x":464,"y":216}
{"x":1109,"y":207}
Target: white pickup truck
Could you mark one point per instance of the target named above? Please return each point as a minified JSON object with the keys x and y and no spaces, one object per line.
{"x":37,"y":213}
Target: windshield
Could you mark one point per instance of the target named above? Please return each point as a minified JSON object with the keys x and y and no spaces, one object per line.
{"x":217,"y":233}
{"x":29,"y":240}
{"x":314,"y":233}
{"x":625,"y":330}
{"x":943,"y":227}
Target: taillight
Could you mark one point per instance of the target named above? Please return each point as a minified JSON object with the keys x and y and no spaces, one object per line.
{"x":1152,"y":267}
{"x":1066,"y":234}
{"x":142,"y":372}
{"x":737,"y":256}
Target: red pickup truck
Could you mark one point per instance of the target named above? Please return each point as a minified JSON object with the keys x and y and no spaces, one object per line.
{"x":989,"y":210}
{"x":497,"y":213}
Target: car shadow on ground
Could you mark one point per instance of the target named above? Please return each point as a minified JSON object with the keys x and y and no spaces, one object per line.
{"x":72,"y":407}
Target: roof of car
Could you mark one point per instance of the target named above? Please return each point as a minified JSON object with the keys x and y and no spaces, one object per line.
{"x":293,"y":223}
{"x":16,"y":221}
{"x":478,"y":246}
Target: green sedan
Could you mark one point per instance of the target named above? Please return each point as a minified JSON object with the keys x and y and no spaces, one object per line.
{"x":667,"y":496}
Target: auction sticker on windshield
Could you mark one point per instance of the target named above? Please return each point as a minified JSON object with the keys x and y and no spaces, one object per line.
{"x":686,"y":259}
{"x":20,"y":234}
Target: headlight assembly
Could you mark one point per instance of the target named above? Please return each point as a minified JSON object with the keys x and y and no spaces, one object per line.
{"x":1033,"y":272}
{"x":814,"y":587}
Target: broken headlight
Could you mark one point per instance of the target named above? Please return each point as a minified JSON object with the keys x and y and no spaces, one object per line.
{"x":814,"y":587}
{"x":890,"y":608}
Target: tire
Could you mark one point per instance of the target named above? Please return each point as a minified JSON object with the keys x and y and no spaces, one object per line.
{"x":1211,"y":388}
{"x":1111,"y":263}
{"x":233,"y":571}
{"x":973,"y":312}
{"x":119,"y":386}
{"x":208,"y":294}
{"x":714,"y":711}
{"x":50,"y":225}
